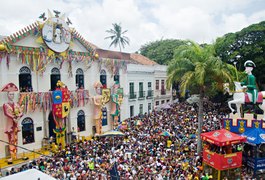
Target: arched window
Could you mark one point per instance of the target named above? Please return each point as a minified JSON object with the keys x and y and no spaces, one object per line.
{"x":117,"y":77}
{"x":81,"y":121}
{"x":25,"y":80}
{"x":27,"y":131}
{"x":79,"y":78}
{"x":55,"y":76}
{"x":103,"y":78}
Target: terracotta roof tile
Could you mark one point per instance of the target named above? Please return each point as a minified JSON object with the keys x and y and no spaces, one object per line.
{"x":113,"y":54}
{"x":142,"y":59}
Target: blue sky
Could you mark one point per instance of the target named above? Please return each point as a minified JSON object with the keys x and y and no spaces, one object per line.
{"x":146,"y":20}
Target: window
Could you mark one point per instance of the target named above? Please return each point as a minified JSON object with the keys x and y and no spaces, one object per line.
{"x":141,"y":109}
{"x":25,"y":80}
{"x":149,"y":107}
{"x":104,"y":116}
{"x":163,"y":91}
{"x":27,"y":131}
{"x":55,"y":76}
{"x":168,"y":101}
{"x":157,"y":84}
{"x":103,"y":78}
{"x":141,"y":88}
{"x":163,"y":101}
{"x":157,"y":103}
{"x":131,"y":111}
{"x":117,"y":77}
{"x":149,"y":85}
{"x":149,"y":92}
{"x":81,"y":121}
{"x":79,"y":78}
{"x":131,"y":91}
{"x":162,"y":84}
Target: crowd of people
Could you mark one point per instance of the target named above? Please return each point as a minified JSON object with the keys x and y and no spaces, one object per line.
{"x":145,"y":152}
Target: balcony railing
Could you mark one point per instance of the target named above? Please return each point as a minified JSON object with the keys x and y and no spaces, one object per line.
{"x":141,"y":95}
{"x":150,"y":94}
{"x":163,"y":91}
{"x":132,"y":95}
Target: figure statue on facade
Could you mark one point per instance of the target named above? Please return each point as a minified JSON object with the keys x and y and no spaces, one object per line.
{"x":98,"y":103}
{"x":250,"y":80}
{"x":13,"y":111}
{"x":116,"y":100}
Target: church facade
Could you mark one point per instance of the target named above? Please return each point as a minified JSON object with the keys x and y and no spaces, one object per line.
{"x":44,"y":53}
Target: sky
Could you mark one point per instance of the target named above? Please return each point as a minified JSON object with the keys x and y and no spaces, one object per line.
{"x":146,"y":20}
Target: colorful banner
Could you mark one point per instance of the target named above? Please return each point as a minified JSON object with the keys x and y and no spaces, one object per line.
{"x":222,"y":161}
{"x":61,"y":102}
{"x":240,"y":126}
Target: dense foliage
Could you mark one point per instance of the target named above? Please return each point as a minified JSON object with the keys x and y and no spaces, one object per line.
{"x":247,"y":44}
{"x":161,"y":51}
{"x":198,"y":67}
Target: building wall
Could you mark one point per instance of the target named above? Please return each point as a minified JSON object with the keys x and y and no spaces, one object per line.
{"x":160,"y":73}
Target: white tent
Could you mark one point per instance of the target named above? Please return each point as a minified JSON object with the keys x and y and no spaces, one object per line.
{"x":31,"y":174}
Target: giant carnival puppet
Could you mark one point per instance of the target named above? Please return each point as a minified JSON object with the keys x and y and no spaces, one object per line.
{"x":251,"y":96}
{"x":116,"y":97}
{"x":13,"y":112}
{"x":60,"y":110}
{"x":98,"y":104}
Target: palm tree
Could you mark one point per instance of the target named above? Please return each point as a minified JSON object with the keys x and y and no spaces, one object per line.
{"x":197,"y":67}
{"x":117,"y":36}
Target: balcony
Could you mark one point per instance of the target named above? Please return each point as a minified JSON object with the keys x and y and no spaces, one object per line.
{"x":141,"y":95}
{"x":132,"y":95}
{"x":163,"y":91}
{"x":150,"y":94}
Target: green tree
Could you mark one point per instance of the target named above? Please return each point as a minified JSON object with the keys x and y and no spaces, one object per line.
{"x":117,"y":36}
{"x":161,"y":51}
{"x":247,"y":44}
{"x":197,"y":68}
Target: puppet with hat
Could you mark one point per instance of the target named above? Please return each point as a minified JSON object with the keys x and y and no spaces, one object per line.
{"x":13,"y":111}
{"x":250,"y":81}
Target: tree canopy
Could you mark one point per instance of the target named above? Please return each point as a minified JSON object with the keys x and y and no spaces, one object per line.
{"x":197,"y":67}
{"x":117,"y":36}
{"x":161,"y":51}
{"x":247,"y":44}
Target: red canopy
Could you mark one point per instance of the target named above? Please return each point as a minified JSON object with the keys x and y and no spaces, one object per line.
{"x":222,"y":137}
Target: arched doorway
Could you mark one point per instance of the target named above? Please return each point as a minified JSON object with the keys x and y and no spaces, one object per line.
{"x":51,"y":125}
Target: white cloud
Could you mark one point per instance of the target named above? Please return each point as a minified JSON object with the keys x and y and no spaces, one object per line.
{"x":145,"y":20}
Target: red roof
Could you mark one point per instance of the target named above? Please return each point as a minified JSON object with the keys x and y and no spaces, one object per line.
{"x":222,"y":137}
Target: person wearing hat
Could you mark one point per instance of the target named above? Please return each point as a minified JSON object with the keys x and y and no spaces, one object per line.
{"x":250,"y":81}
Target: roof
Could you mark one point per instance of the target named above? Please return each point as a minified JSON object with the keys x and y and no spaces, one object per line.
{"x":142,"y":59}
{"x":36,"y":26}
{"x":255,"y":136}
{"x":138,"y":58}
{"x":29,"y":174}
{"x":112,"y":54}
{"x":222,"y":137}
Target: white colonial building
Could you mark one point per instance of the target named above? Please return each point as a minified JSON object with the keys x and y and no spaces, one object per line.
{"x":34,"y":64}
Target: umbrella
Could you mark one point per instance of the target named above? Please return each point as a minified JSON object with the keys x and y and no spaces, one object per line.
{"x":192,"y":136}
{"x":166,"y":134}
{"x":166,"y":106}
{"x":138,"y":123}
{"x":112,"y":133}
{"x":122,"y":127}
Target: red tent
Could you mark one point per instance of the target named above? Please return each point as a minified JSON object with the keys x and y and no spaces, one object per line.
{"x":222,"y":137}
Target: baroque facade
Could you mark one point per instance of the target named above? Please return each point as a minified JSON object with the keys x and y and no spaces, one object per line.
{"x":36,"y":57}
